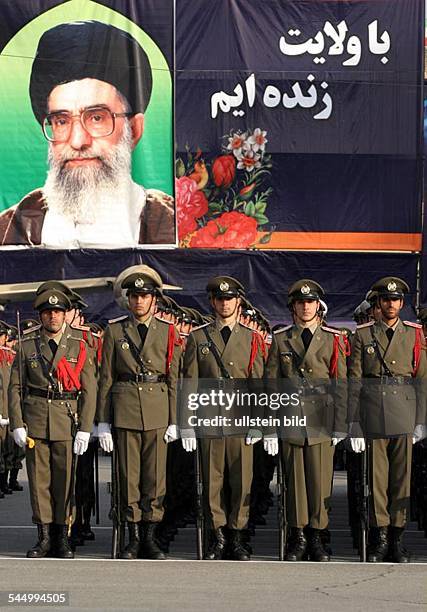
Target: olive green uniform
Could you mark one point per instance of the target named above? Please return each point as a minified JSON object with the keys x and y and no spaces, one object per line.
{"x":48,"y":421}
{"x":308,"y":457}
{"x":140,"y":411}
{"x":388,"y":411}
{"x":230,"y":451}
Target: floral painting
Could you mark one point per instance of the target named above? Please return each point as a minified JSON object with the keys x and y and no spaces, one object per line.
{"x":222,"y":203}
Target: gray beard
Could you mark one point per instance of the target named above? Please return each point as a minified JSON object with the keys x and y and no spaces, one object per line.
{"x":80,"y":193}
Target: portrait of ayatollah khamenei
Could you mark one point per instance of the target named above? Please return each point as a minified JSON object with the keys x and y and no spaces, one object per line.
{"x":86,"y":136}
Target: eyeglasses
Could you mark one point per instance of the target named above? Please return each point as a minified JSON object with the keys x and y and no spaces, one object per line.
{"x":98,"y":121}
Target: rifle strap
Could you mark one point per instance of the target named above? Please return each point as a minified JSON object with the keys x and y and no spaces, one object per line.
{"x":214,"y":349}
{"x":135,"y":352}
{"x":385,"y":367}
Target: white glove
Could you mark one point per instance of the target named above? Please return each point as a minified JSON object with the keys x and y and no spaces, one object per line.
{"x":81,"y":442}
{"x":271,"y":445}
{"x":188,"y":438}
{"x":420,"y":432}
{"x":105,"y":438}
{"x":171,"y":434}
{"x":357,"y":444}
{"x":336,"y":439}
{"x":3,"y":422}
{"x":20,"y":436}
{"x":253,"y":436}
{"x":94,"y":432}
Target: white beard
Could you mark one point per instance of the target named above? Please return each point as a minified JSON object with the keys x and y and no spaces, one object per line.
{"x":81,"y":194}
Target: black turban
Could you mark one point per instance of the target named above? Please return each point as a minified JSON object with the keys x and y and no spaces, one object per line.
{"x":90,"y":49}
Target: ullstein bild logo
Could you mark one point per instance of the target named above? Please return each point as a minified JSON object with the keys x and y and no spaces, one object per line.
{"x":246,"y":421}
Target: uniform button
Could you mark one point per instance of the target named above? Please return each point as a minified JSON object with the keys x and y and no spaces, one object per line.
{"x":230,"y":363}
{"x":302,"y":403}
{"x":49,"y":401}
{"x":394,"y":392}
{"x":310,"y":370}
{"x":150,"y":388}
{"x":393,"y":362}
{"x":302,"y":369}
{"x":384,"y":393}
{"x":148,"y":360}
{"x":139,"y":388}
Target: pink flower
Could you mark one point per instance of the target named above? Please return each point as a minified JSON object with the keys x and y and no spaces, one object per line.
{"x":190,"y":205}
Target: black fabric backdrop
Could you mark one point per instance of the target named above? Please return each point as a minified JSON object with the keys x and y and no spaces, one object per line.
{"x":346,"y":277}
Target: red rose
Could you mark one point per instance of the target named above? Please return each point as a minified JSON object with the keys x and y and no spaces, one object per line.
{"x":247,"y":191}
{"x":224,"y":170}
{"x":232,"y":230}
{"x":190,"y":205}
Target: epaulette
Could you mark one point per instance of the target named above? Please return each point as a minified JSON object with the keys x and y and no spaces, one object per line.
{"x":410,"y":324}
{"x":117,"y":319}
{"x":283,"y":329}
{"x":31,"y":330}
{"x":80,"y":327}
{"x":163,"y":321}
{"x":368,"y":324}
{"x":247,"y":327}
{"x":200,"y":327}
{"x":331,"y":330}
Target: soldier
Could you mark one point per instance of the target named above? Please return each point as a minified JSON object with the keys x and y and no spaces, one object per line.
{"x":222,"y":349}
{"x":311,"y":355}
{"x":137,"y":396}
{"x":387,"y":397}
{"x":51,"y":373}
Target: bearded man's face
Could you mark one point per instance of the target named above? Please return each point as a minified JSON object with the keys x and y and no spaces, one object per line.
{"x":85,"y":170}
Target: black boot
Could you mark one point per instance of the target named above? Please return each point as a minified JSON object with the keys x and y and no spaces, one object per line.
{"x":297,"y":547}
{"x":238,"y":546}
{"x":42,"y":546}
{"x":13,"y":481}
{"x":378,"y":544}
{"x":217,"y":549}
{"x":149,"y":547}
{"x":398,"y":552}
{"x":316,"y":548}
{"x":4,"y":485}
{"x":131,"y":550}
{"x":86,"y":530}
{"x":62,"y":545}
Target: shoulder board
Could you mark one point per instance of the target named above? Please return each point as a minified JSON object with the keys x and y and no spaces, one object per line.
{"x":331,"y":330}
{"x":80,"y":327}
{"x":31,"y":330}
{"x":8,"y":349}
{"x":117,"y":319}
{"x":283,"y":329}
{"x":410,"y":324}
{"x":247,"y":327}
{"x":368,"y":324}
{"x":200,"y":327}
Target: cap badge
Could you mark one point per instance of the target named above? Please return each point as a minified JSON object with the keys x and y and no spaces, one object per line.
{"x":139,"y":282}
{"x":392,"y":286}
{"x":224,"y":286}
{"x":53,"y":300}
{"x":305,"y":289}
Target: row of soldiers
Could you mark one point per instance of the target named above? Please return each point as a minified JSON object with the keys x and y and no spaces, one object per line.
{"x":60,"y":385}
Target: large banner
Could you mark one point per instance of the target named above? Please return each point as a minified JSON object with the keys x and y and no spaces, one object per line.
{"x":299,"y":124}
{"x":86,"y":132}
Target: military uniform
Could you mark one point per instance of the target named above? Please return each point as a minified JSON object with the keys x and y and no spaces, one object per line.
{"x":308,"y":453}
{"x":388,"y":403}
{"x":242,"y":357}
{"x":58,"y":389}
{"x":137,"y":396}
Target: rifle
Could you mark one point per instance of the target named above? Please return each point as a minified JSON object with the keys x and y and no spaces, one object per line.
{"x":96,"y":458}
{"x":281,"y":505}
{"x":364,"y":503}
{"x":199,"y":503}
{"x":115,"y":514}
{"x":71,"y":498}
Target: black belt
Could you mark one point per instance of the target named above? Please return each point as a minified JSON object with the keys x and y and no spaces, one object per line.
{"x":395,"y":380}
{"x":307,"y":391}
{"x":141,"y":378}
{"x":55,"y":395}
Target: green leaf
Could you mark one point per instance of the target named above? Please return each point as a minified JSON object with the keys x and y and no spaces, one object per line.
{"x":265,"y":239}
{"x":179,"y":168}
{"x":249,"y":209}
{"x":261,"y":219}
{"x":215,"y":206}
{"x":260,"y":207}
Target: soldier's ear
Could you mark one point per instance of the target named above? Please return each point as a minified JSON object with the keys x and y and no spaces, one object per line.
{"x":137,"y":128}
